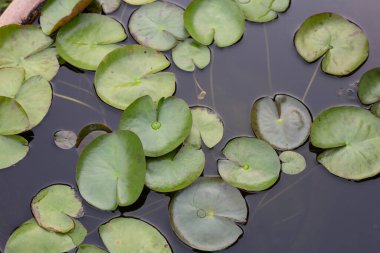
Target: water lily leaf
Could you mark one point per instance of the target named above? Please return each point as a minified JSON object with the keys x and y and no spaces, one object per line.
{"x":109,"y":6}
{"x":176,"y":170}
{"x":351,"y":137}
{"x":65,"y":139}
{"x":209,"y":20}
{"x":369,"y":87}
{"x":203,"y":215}
{"x":284,"y":122}
{"x":56,"y":13}
{"x":111,"y":170}
{"x":13,"y":149}
{"x":34,"y":57}
{"x":138,"y":2}
{"x":55,"y":207}
{"x":158,"y":25}
{"x":190,"y":54}
{"x":262,"y":10}
{"x":343,"y":43}
{"x":84,"y":248}
{"x":292,"y":162}
{"x":13,"y":118}
{"x":161,"y":128}
{"x":88,"y":38}
{"x":131,"y":72}
{"x":87,"y":130}
{"x":375,"y":109}
{"x":251,"y":164}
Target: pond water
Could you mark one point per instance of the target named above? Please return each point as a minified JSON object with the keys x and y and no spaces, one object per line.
{"x":311,"y":212}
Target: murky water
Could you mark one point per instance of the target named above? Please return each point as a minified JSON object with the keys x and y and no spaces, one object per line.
{"x":312,"y":212}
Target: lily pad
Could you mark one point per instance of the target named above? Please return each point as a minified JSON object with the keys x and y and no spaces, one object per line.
{"x":369,"y":87}
{"x":158,"y":25}
{"x":55,"y":207}
{"x":375,"y":109}
{"x":251,"y":164}
{"x":262,"y":11}
{"x":109,"y":6}
{"x":284,"y":122}
{"x":190,"y":54}
{"x":122,"y":235}
{"x":88,"y":38}
{"x":131,"y":72}
{"x":138,"y":2}
{"x":204,"y":215}
{"x":111,"y":170}
{"x":343,"y":43}
{"x":65,"y":139}
{"x":35,"y":56}
{"x":219,"y":20}
{"x":85,"y":248}
{"x":13,"y":149}
{"x":351,"y":137}
{"x":292,"y":162}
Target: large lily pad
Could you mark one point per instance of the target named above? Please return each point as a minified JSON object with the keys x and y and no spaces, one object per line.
{"x":292,"y":162}
{"x":13,"y":149}
{"x":123,"y":235}
{"x":131,"y":72}
{"x":284,"y":122}
{"x":190,"y":54}
{"x":262,"y":10}
{"x":203,"y":215}
{"x":252,"y":164}
{"x":161,"y":127}
{"x":369,"y":87}
{"x":88,"y":38}
{"x":219,"y":20}
{"x":343,"y":43}
{"x":85,"y":248}
{"x":111,"y":170}
{"x":351,"y":137}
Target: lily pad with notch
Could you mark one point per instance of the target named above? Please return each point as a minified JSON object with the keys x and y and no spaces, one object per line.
{"x":369,"y":87}
{"x":13,"y":148}
{"x":190,"y":54}
{"x":292,"y":162}
{"x":85,"y":248}
{"x":262,"y":11}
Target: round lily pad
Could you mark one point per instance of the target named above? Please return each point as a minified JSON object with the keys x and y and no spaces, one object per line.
{"x":351,"y":139}
{"x":131,"y":72}
{"x":65,"y":139}
{"x":85,"y":248}
{"x":292,"y":162}
{"x":204,"y":215}
{"x":251,"y":164}
{"x":109,"y":6}
{"x":138,"y":2}
{"x":122,"y":235}
{"x":161,"y":127}
{"x":369,"y":87}
{"x":343,"y":43}
{"x":219,"y":20}
{"x":13,"y":149}
{"x":111,"y":170}
{"x":190,"y":54}
{"x":158,"y":25}
{"x":375,"y":109}
{"x":88,"y":38}
{"x":262,"y":11}
{"x":284,"y":122}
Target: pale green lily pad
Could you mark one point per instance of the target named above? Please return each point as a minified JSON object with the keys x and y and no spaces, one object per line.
{"x":190,"y":54}
{"x":204,"y":215}
{"x":122,"y":235}
{"x":219,"y":20}
{"x":251,"y":164}
{"x":161,"y":127}
{"x":109,"y":6}
{"x":342,"y":43}
{"x":351,"y":137}
{"x":284,"y":122}
{"x":85,"y":248}
{"x":55,"y":207}
{"x":262,"y":11}
{"x":88,"y":38}
{"x":375,"y":109}
{"x":158,"y":25}
{"x":35,"y":56}
{"x":111,"y":170}
{"x":131,"y":72}
{"x":65,"y":139}
{"x":13,"y":149}
{"x":369,"y":87}
{"x":138,"y":2}
{"x":292,"y":162}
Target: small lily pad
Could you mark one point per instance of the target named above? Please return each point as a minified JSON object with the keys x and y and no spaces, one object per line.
{"x":190,"y":54}
{"x":292,"y":162}
{"x":284,"y":122}
{"x":158,"y":25}
{"x":109,"y":6}
{"x":13,"y":148}
{"x":375,"y":109}
{"x":204,"y":215}
{"x":138,"y":2}
{"x":369,"y":87}
{"x":122,"y":235}
{"x":252,"y":165}
{"x":161,"y":127}
{"x":262,"y":11}
{"x":219,"y":20}
{"x":131,"y":72}
{"x":65,"y":139}
{"x":343,"y":43}
{"x":85,"y":248}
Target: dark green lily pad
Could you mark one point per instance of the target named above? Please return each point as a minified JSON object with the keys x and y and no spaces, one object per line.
{"x":369,"y":87}
{"x":13,"y":149}
{"x":375,"y":109}
{"x":262,"y":11}
{"x":190,"y":54}
{"x":342,"y":43}
{"x":65,"y":139}
{"x":204,"y":215}
{"x":292,"y":162}
{"x":138,"y":2}
{"x":85,"y":248}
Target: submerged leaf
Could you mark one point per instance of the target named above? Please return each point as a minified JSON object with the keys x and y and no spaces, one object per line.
{"x":369,"y":87}
{"x":262,"y":10}
{"x":292,"y":162}
{"x":13,"y":149}
{"x":85,"y":248}
{"x":190,"y":54}
{"x":65,"y":139}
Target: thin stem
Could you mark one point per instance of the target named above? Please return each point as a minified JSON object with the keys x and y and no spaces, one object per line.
{"x":75,"y":87}
{"x":153,"y":210}
{"x":76,"y":101}
{"x":212,"y":79}
{"x":203,"y":93}
{"x":270,"y":83}
{"x":93,"y":217}
{"x":312,"y":79}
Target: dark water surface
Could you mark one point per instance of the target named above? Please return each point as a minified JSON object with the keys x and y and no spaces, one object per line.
{"x":313,"y":212}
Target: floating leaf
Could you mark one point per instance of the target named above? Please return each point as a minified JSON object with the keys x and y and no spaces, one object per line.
{"x":203,"y":215}
{"x":84,"y":248}
{"x":369,"y":87}
{"x":131,"y":72}
{"x":190,"y":54}
{"x":343,"y":43}
{"x":262,"y":10}
{"x":65,"y":139}
{"x":375,"y":109}
{"x":292,"y":162}
{"x":13,"y":149}
{"x":109,"y":6}
{"x":138,"y":2}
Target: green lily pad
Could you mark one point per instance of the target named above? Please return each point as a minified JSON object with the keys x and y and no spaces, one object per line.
{"x":122,"y":235}
{"x":343,"y":43}
{"x":88,"y":38}
{"x":65,"y":139}
{"x":85,"y":248}
{"x":251,"y":164}
{"x":109,"y":6}
{"x":131,"y":72}
{"x":13,"y":149}
{"x":35,"y":57}
{"x":55,"y":207}
{"x":158,"y":25}
{"x":262,"y":11}
{"x":161,"y":127}
{"x":138,"y":2}
{"x":190,"y":54}
{"x":351,"y":137}
{"x":369,"y":87}
{"x":375,"y":109}
{"x":111,"y":170}
{"x":284,"y":122}
{"x":204,"y":215}
{"x":219,"y":20}
{"x":292,"y":162}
